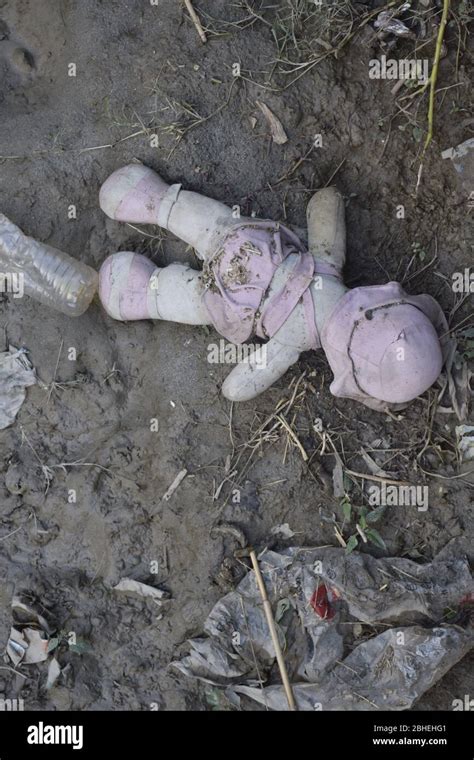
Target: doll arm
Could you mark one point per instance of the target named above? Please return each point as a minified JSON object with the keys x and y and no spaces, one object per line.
{"x":270,"y":362}
{"x":327,"y":227}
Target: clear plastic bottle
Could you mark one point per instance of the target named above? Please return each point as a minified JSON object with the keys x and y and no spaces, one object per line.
{"x":48,"y":275}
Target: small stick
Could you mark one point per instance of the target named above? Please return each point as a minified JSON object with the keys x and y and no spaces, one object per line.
{"x":293,"y":436}
{"x":334,"y":173}
{"x":195,"y":20}
{"x":432,"y":83}
{"x":273,"y":631}
{"x":174,"y":485}
{"x":434,"y":73}
{"x":377,"y":478}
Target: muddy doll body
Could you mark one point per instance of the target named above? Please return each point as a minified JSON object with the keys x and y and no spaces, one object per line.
{"x":258,"y":280}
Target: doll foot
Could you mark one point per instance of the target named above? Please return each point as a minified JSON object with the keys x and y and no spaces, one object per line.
{"x":123,"y":285}
{"x":133,"y":194}
{"x":327,"y":227}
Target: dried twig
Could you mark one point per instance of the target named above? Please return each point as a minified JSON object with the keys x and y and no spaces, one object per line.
{"x":293,"y":436}
{"x":174,"y":485}
{"x":273,"y":632}
{"x":195,"y":20}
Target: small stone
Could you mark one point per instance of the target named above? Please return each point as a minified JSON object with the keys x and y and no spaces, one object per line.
{"x":14,"y":480}
{"x":23,"y":60}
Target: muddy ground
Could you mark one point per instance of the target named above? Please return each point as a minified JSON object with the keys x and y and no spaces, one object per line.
{"x":140,"y":71}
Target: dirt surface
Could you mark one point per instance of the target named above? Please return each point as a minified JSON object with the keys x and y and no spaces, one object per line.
{"x":142,"y":71}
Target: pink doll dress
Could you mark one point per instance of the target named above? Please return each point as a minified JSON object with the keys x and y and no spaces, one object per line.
{"x":239,"y":274}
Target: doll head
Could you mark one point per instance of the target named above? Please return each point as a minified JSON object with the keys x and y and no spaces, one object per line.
{"x":384,"y":346}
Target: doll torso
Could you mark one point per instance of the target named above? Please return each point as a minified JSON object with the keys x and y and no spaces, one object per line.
{"x":259,"y":275}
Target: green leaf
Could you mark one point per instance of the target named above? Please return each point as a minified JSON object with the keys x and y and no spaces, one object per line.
{"x":346,"y":509}
{"x":449,"y":613}
{"x":375,"y":514}
{"x":362,"y":522}
{"x":52,"y":644}
{"x":346,"y":482}
{"x":80,"y":647}
{"x":351,"y":544}
{"x":212,"y":699}
{"x":282,"y":607}
{"x":417,"y":134}
{"x":374,"y":536}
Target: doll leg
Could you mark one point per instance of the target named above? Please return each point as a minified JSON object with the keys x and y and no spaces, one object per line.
{"x":131,"y":288}
{"x":327,"y":227}
{"x":135,"y":193}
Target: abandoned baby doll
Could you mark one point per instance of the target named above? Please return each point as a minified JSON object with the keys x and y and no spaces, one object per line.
{"x":384,"y":346}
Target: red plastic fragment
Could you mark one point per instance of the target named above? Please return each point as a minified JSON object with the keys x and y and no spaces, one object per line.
{"x":320,"y":603}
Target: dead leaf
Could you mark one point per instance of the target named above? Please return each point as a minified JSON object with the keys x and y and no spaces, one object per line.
{"x":283,"y":531}
{"x":16,"y":646}
{"x":276,"y":127}
{"x":459,"y":388}
{"x":459,"y":377}
{"x":28,"y":646}
{"x":37,"y":646}
{"x":338,"y":479}
{"x":129,"y":586}
{"x":54,"y":671}
{"x":372,"y":465}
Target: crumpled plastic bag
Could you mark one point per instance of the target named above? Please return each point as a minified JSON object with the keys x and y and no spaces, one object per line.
{"x":465,"y":442}
{"x":358,"y":633}
{"x":16,"y":374}
{"x":462,"y":156}
{"x":388,"y":22}
{"x":380,"y":674}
